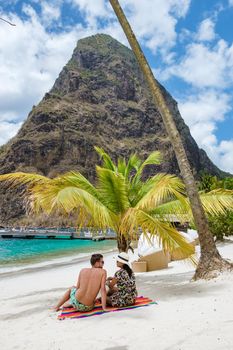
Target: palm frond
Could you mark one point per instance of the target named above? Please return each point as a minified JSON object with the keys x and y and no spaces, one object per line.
{"x":217,"y":201}
{"x":20,"y":178}
{"x":125,"y":168}
{"x":168,"y":237}
{"x":154,"y":158}
{"x":55,"y":198}
{"x":76,"y":179}
{"x":134,"y":163}
{"x":121,"y":166}
{"x":106,"y":159}
{"x":158,"y":190}
{"x":68,"y":180}
{"x":113,"y":190}
{"x":173,"y":209}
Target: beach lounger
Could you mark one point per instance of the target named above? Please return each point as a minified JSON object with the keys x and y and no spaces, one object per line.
{"x":139,"y":266}
{"x":155,"y":261}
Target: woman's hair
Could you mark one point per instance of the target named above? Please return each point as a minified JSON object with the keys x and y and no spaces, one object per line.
{"x":128,"y":269}
{"x":95,"y":258}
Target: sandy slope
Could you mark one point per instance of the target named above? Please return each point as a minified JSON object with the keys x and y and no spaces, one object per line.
{"x":189,"y":315}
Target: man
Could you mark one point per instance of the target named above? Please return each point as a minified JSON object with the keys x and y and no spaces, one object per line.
{"x":90,"y":281}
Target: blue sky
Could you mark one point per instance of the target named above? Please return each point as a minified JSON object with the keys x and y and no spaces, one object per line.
{"x":188,"y":43}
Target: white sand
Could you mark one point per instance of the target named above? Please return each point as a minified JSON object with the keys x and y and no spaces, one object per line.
{"x":189,"y":315}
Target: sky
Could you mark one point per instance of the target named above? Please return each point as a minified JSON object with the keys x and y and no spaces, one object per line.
{"x":188,"y":43}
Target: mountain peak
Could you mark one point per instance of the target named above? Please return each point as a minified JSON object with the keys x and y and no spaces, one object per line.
{"x":99,"y":98}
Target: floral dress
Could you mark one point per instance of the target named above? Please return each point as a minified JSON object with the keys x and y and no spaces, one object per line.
{"x":127,"y":291}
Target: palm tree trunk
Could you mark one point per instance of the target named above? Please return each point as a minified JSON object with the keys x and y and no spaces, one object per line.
{"x":210,"y":260}
{"x":123,"y":242}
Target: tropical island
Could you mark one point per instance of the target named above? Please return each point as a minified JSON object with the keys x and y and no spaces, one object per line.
{"x":105,"y":163}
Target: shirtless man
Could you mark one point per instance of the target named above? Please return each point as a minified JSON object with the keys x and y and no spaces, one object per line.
{"x":90,"y":282}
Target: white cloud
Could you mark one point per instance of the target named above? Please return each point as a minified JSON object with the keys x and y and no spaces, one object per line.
{"x":155,"y":29}
{"x":208,"y":105}
{"x":202,"y":112}
{"x":204,"y":66}
{"x":50,"y":12}
{"x":157,"y":24}
{"x":230,"y":2}
{"x":225,"y":149}
{"x":206,"y":30}
{"x":93,"y":10}
{"x":30,"y":61}
{"x":221,"y":152}
{"x":8,"y":130}
{"x":207,"y":69}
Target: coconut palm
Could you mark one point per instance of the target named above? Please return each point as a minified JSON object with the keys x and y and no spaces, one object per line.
{"x":120,"y":200}
{"x":210,"y":260}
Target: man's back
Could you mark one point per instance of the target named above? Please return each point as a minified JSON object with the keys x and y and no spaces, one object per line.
{"x":89,"y":284}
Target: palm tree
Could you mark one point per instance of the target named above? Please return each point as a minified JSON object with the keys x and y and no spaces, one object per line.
{"x":121,"y":200}
{"x":210,"y":260}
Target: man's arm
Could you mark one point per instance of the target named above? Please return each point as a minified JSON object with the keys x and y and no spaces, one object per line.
{"x":103,"y":289}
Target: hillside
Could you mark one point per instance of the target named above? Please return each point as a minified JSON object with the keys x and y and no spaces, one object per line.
{"x":99,"y":98}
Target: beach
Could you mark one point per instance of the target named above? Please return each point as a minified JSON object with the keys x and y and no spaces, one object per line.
{"x":189,"y":315}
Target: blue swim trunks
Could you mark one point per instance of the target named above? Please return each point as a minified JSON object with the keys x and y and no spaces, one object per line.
{"x":76,"y":304}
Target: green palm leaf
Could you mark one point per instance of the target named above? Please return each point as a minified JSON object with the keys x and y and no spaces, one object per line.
{"x":67,"y":199}
{"x":158,"y":190}
{"x":133,"y":164}
{"x":20,"y":178}
{"x":76,"y":179}
{"x":154,"y":158}
{"x":125,"y":168}
{"x":214,"y":203}
{"x":169,"y":238}
{"x":107,"y":161}
{"x":217,"y":201}
{"x":113,"y":188}
{"x":121,"y":166}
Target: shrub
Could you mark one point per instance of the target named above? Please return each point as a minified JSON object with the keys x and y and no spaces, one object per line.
{"x":222,"y":225}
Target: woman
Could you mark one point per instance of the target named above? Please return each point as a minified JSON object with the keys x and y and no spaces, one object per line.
{"x":122,"y":287}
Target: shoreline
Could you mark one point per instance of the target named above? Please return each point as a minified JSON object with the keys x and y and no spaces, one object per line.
{"x":188,"y":313}
{"x":56,"y":262}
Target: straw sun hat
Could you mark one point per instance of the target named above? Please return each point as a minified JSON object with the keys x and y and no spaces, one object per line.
{"x":123,"y":258}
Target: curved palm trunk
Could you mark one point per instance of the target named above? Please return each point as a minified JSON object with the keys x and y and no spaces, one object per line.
{"x":210,"y":259}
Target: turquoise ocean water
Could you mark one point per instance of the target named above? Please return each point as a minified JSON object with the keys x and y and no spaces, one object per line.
{"x":15,"y":252}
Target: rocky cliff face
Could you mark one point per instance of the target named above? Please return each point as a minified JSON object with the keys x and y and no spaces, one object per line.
{"x":100,"y":98}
